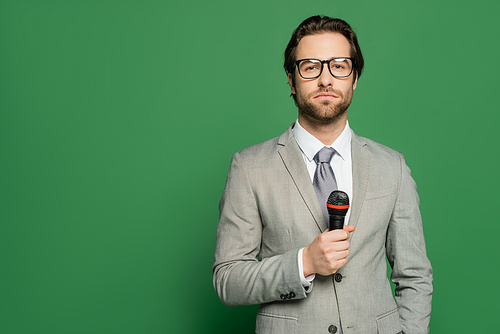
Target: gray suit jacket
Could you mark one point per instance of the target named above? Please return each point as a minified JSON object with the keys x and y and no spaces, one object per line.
{"x":269,"y":211}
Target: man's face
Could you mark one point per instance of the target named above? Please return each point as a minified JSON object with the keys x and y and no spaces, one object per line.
{"x":325,"y":98}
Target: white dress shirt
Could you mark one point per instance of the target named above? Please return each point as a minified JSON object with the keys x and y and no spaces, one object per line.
{"x":341,"y":164}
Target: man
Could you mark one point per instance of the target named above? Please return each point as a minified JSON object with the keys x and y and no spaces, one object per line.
{"x":273,"y":246}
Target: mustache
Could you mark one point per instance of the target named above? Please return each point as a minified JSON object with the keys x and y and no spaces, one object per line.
{"x":328,"y":90}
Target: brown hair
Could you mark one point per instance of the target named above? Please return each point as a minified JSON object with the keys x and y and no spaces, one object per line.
{"x":319,"y":24}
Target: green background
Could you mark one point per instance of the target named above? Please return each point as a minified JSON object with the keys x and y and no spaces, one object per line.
{"x":118,"y":120}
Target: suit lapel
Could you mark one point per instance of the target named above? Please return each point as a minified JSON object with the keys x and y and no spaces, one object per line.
{"x":360,"y":175}
{"x":294,"y":162}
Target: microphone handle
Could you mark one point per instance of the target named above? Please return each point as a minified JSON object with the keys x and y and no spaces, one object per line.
{"x":336,"y":222}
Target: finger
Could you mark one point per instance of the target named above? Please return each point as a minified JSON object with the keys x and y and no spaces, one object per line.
{"x":334,"y":236}
{"x":342,"y":255}
{"x":340,"y":246}
{"x":349,"y":228}
{"x":336,"y":262}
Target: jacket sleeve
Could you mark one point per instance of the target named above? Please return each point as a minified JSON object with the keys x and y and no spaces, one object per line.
{"x":240,"y":277}
{"x":411,"y":269}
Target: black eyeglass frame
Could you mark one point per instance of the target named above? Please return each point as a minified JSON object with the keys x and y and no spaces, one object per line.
{"x":297,"y":62}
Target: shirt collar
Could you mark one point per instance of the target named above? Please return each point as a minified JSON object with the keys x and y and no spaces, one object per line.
{"x":310,"y":145}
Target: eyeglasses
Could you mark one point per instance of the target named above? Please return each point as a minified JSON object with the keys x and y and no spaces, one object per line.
{"x":339,"y":67}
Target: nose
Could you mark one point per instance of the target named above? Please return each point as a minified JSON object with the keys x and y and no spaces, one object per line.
{"x":326,"y":78}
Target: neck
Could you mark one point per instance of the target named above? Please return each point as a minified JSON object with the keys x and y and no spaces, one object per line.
{"x":325,"y":132}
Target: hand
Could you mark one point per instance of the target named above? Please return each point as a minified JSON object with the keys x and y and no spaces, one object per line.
{"x":327,"y":253}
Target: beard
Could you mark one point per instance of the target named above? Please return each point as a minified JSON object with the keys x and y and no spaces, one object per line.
{"x":324,"y":111}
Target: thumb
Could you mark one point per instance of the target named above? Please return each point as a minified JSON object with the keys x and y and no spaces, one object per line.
{"x":349,"y":228}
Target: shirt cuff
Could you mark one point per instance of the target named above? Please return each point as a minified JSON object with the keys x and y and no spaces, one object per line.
{"x":306,"y":281}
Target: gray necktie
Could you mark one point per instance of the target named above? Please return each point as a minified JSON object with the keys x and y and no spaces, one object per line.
{"x":324,"y":179}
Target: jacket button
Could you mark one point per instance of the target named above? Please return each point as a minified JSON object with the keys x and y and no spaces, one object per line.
{"x":283,"y":296}
{"x":338,"y":278}
{"x":292,"y":295}
{"x":332,"y":329}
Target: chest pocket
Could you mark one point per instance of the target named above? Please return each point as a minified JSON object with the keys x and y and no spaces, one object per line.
{"x":380,"y":193}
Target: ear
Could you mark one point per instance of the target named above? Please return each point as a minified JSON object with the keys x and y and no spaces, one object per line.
{"x":290,"y":82}
{"x":355,"y":83}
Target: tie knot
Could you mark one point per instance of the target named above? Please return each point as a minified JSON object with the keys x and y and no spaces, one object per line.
{"x":324,"y":155}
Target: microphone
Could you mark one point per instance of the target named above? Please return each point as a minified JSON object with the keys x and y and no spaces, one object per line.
{"x":337,"y":206}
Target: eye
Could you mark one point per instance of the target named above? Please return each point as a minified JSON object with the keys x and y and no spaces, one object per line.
{"x":309,"y":66}
{"x":338,"y":66}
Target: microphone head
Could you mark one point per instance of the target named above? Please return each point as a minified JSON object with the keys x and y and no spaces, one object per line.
{"x":338,"y":203}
